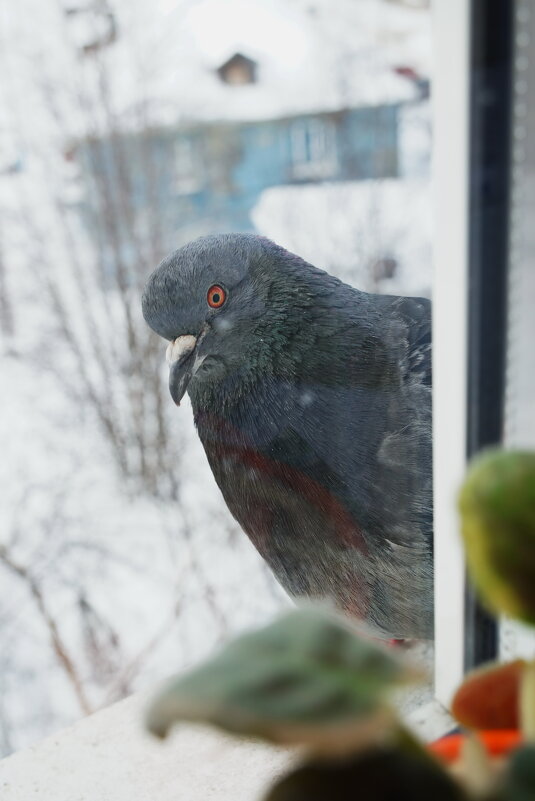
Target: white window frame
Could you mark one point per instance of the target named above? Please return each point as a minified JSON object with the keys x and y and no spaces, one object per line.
{"x":451,"y":34}
{"x":450,"y":170}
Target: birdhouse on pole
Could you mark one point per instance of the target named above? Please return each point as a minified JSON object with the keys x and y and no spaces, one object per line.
{"x":238,"y":70}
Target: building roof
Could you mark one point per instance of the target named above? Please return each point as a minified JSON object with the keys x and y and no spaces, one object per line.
{"x":238,"y":70}
{"x":311,"y":56}
{"x":162,"y":65}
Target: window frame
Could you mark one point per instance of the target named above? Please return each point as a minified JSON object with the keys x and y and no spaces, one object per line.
{"x":474,"y":311}
{"x":313,"y":148}
{"x":491,"y":59}
{"x":516,"y":640}
{"x":187,"y":171}
{"x":450,"y":162}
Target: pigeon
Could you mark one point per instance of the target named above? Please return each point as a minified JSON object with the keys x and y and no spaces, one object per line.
{"x":312,"y":400}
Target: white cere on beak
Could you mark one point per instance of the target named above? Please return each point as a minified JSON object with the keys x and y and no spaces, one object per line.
{"x":179,"y":347}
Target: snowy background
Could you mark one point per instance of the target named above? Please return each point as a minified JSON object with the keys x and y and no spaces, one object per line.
{"x":119,"y":563}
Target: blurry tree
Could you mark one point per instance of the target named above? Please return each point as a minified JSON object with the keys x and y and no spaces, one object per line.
{"x":94,"y":237}
{"x":104,"y":579}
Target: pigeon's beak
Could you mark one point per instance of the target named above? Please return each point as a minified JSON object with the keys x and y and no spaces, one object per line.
{"x":180,"y":357}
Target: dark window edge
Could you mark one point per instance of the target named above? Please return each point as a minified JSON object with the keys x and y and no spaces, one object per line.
{"x":490,"y":114}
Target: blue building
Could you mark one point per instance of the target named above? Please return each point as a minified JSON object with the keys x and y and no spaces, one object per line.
{"x":209,"y":176}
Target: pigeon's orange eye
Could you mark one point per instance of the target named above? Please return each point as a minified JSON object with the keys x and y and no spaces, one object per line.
{"x":216,"y":296}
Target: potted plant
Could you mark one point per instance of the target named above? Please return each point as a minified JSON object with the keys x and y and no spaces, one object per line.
{"x":309,"y":680}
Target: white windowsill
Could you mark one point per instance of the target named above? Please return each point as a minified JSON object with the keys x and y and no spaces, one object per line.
{"x":108,"y":757}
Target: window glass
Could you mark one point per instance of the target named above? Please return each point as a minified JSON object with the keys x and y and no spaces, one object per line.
{"x":519,"y":423}
{"x":314,"y":148}
{"x":132,"y":540}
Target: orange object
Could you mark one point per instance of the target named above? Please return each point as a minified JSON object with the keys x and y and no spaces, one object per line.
{"x":497,"y":742}
{"x":488,"y":697}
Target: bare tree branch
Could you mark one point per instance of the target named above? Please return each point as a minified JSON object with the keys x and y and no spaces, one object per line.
{"x":58,"y":645}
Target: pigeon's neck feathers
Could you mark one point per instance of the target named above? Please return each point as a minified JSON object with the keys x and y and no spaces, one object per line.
{"x":314,"y":324}
{"x":313,"y":315}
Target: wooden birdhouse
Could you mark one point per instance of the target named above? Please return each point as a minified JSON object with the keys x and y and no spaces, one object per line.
{"x":238,"y":70}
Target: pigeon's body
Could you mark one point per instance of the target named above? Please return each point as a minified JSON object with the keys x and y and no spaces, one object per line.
{"x":316,"y":420}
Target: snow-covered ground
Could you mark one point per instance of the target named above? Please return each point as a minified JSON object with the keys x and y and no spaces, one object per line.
{"x":104,"y":589}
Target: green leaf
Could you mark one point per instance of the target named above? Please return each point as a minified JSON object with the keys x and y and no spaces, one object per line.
{"x":306,"y":678}
{"x":497,"y":504}
{"x":519,"y":783}
{"x":378,"y":775}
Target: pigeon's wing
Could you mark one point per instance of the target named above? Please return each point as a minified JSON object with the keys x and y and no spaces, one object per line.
{"x":329,"y":472}
{"x":363,"y":430}
{"x":354,"y":419}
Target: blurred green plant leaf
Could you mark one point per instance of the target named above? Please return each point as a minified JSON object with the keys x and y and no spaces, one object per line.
{"x":307,"y":678}
{"x":497,"y":505}
{"x":378,"y":775}
{"x":519,"y":781}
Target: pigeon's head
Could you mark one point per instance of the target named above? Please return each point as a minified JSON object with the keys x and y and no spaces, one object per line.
{"x":221,"y":301}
